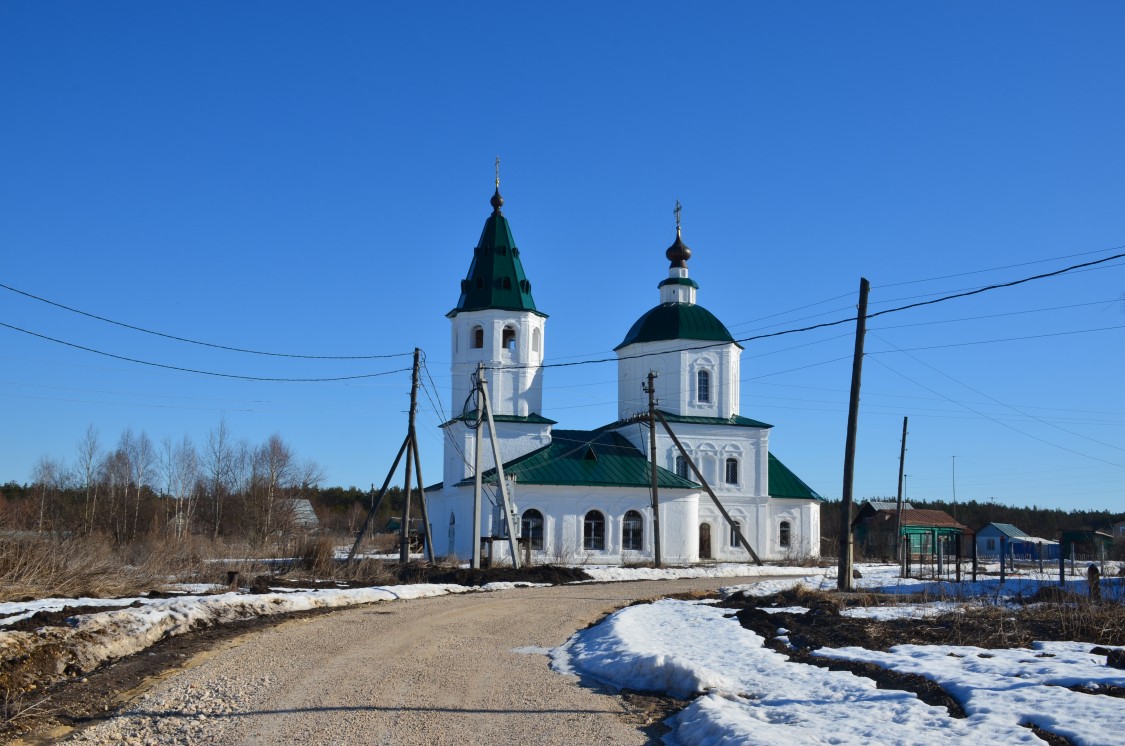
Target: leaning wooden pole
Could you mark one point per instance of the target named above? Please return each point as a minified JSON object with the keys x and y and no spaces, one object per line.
{"x":378,"y":500}
{"x":698,"y":475}
{"x":651,"y":391}
{"x":422,"y":501}
{"x":504,"y":498}
{"x":844,"y":572}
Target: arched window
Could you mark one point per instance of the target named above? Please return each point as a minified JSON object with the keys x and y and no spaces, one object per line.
{"x":732,"y":471}
{"x":531,"y":528}
{"x":681,"y":467}
{"x":535,"y":337}
{"x":783,"y":534}
{"x":632,"y":531}
{"x":509,"y":339}
{"x":507,"y":283}
{"x":478,"y":337}
{"x":593,"y":532}
{"x":735,"y":530}
{"x":703,"y":386}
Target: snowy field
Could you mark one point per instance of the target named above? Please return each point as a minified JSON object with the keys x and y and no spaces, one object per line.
{"x":743,"y":691}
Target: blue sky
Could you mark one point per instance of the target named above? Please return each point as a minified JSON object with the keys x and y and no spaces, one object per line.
{"x":311,"y":179}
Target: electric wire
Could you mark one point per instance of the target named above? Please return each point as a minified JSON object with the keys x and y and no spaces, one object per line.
{"x":195,"y":341}
{"x":201,"y":372}
{"x":826,"y":324}
{"x":998,"y":422}
{"x":997,"y":401}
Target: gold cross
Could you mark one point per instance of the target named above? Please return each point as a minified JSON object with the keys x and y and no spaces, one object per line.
{"x":497,"y":172}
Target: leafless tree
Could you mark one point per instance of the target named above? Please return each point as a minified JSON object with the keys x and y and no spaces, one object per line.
{"x":274,"y":470}
{"x":179,"y":464}
{"x":89,"y":452}
{"x":218,"y":464}
{"x":142,"y":463}
{"x":47,"y":477}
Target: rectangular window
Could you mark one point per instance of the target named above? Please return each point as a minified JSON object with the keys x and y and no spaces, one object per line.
{"x":734,"y":531}
{"x":681,"y":467}
{"x":704,"y":386}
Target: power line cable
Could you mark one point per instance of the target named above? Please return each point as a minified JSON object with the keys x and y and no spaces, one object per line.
{"x":1004,"y":339}
{"x":998,"y":422}
{"x":826,"y":324}
{"x":195,"y":341}
{"x":200,"y":372}
{"x":997,"y":269}
{"x":997,"y":401}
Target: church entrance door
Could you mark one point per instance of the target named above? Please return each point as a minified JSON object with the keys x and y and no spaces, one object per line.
{"x":705,"y":541}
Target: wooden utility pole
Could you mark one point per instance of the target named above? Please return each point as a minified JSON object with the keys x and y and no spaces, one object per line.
{"x":651,"y":391}
{"x":844,"y":572}
{"x":898,"y":505}
{"x":404,"y":546}
{"x":698,"y":475}
{"x":477,"y":486}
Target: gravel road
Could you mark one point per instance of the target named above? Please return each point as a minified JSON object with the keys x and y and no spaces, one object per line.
{"x":444,"y":670}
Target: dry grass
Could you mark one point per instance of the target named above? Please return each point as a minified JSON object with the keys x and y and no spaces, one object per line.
{"x":85,"y":566}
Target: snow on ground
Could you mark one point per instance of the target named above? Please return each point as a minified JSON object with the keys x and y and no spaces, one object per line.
{"x":606,"y":573}
{"x":750,"y":694}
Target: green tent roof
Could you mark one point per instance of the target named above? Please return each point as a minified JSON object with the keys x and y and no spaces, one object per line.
{"x":677,"y":321}
{"x":786,"y":484}
{"x":496,"y":278}
{"x":587,"y":458}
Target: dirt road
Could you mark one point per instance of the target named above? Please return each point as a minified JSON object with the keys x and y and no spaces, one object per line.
{"x":445,"y":670}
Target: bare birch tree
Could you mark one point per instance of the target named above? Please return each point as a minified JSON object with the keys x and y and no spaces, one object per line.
{"x":89,"y":452}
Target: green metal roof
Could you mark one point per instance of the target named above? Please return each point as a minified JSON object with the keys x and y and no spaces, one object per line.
{"x":786,"y":484}
{"x":496,"y":278}
{"x":530,"y":419}
{"x":679,"y":281}
{"x":588,"y":459}
{"x":1007,"y":529}
{"x":677,"y":321}
{"x":735,"y":420}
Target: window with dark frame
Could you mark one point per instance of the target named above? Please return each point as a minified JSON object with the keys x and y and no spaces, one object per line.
{"x":681,"y":467}
{"x":735,"y":528}
{"x":531,"y":528}
{"x":632,"y":531}
{"x":593,"y":533}
{"x":509,"y":339}
{"x":783,"y":534}
{"x":478,"y":337}
{"x":732,"y":471}
{"x":703,"y":386}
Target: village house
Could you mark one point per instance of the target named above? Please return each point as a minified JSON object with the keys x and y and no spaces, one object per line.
{"x":584,"y":495}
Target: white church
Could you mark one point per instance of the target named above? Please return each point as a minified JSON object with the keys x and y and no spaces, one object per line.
{"x":585,"y":495}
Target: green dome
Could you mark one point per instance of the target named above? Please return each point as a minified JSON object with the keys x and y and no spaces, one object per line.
{"x":677,"y":321}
